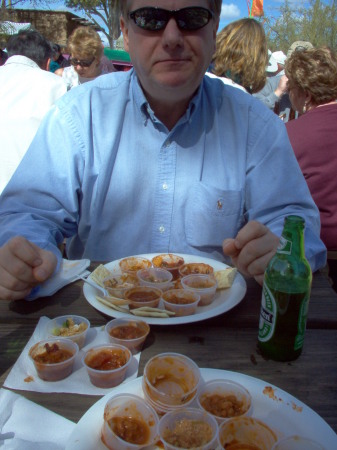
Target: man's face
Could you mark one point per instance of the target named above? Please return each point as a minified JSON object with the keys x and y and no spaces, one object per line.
{"x":170,"y":63}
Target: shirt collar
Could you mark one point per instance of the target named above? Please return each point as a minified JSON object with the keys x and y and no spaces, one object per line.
{"x":146,"y":109}
{"x":23,"y":60}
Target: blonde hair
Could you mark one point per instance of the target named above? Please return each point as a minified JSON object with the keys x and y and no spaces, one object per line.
{"x":314,"y":71}
{"x":84,"y":42}
{"x":242,"y":54}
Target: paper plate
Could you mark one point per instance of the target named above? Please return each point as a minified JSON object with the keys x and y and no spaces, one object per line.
{"x":279,"y":410}
{"x":225,"y":299}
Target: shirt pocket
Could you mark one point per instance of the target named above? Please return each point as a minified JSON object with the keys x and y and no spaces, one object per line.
{"x":212,"y":214}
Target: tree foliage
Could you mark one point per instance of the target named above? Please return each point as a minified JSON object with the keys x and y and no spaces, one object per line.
{"x":100,"y":12}
{"x":315,"y":22}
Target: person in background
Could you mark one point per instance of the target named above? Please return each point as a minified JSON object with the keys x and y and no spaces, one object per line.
{"x":274,"y":94}
{"x":27,"y":92}
{"x":86,"y":50}
{"x":56,"y":53}
{"x":158,"y":159}
{"x":312,"y":86}
{"x":241,"y":54}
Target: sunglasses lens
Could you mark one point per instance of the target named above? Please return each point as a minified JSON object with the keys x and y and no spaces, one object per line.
{"x":79,"y":62}
{"x":154,"y":19}
{"x":193,"y":18}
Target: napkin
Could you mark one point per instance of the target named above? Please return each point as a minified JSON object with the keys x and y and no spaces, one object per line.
{"x":70,"y":270}
{"x":23,"y":375}
{"x":26,"y":425}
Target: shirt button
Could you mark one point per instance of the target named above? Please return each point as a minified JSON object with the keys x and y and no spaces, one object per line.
{"x":165,"y":186}
{"x":167,"y":143}
{"x":161,"y":229}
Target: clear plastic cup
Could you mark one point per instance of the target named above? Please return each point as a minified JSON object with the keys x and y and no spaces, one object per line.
{"x":170,"y":380}
{"x":195,"y":268}
{"x":117,"y":285}
{"x":224,"y":399}
{"x":170,"y":262}
{"x":140,"y":296}
{"x":129,"y":423}
{"x":45,"y":355}
{"x":246,"y":431}
{"x":204,"y":285}
{"x":98,"y":359}
{"x":181,"y":301}
{"x":188,"y":428}
{"x":297,"y":443}
{"x":155,"y":278}
{"x":70,"y":327}
{"x":128,"y":332}
{"x":132,"y":264}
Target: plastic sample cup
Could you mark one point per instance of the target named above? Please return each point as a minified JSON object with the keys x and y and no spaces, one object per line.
{"x":129,"y":423}
{"x":107,"y":364}
{"x":70,"y":327}
{"x":54,"y":358}
{"x":224,"y":399}
{"x":188,"y":428}
{"x":128,"y":332}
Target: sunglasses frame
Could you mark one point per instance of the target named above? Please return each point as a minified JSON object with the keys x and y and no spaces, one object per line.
{"x":79,"y":62}
{"x":169,"y":14}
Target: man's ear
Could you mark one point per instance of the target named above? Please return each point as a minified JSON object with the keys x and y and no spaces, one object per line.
{"x":125,"y":32}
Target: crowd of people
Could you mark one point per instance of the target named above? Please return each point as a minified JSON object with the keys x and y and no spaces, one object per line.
{"x":163,"y":158}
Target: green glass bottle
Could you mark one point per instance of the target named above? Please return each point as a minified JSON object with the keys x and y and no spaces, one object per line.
{"x":285,"y":296}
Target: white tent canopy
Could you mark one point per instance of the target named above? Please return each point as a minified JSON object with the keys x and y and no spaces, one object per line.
{"x":13,"y":27}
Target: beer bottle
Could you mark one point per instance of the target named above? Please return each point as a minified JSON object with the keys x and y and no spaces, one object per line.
{"x":285,"y":296}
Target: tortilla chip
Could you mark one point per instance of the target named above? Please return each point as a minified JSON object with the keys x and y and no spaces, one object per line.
{"x":99,"y":274}
{"x":225,"y":278}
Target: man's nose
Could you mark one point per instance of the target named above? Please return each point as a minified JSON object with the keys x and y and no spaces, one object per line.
{"x":172,"y":35}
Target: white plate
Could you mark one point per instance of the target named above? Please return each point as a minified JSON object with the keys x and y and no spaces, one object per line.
{"x":281,"y":411}
{"x":224,"y":300}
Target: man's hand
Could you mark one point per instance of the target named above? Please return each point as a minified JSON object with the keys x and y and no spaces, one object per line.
{"x":252,"y":249}
{"x":23,"y":265}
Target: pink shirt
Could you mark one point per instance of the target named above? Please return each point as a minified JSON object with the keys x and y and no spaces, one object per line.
{"x":313,"y":137}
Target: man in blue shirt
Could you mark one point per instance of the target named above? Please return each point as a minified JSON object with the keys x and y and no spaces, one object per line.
{"x":158,"y":159}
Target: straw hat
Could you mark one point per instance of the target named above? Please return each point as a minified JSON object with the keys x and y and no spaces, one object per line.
{"x":299,"y":45}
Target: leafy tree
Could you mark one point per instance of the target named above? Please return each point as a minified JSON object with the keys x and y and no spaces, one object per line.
{"x":316,"y":22}
{"x":101,"y":11}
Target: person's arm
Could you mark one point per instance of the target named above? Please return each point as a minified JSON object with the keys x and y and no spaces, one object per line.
{"x":270,"y":94}
{"x":274,"y":188}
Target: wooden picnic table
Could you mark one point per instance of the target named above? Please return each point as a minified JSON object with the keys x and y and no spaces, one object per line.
{"x":227,"y":341}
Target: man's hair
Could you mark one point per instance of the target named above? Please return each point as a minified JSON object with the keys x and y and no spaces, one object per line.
{"x":242,"y":54}
{"x":215,"y":6}
{"x":85,"y":43}
{"x":32,"y":44}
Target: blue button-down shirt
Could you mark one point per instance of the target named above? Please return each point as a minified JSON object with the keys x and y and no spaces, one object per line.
{"x":105,"y":173}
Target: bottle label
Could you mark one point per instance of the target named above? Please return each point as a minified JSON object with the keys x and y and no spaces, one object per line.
{"x":284,"y":246}
{"x":267,"y":315}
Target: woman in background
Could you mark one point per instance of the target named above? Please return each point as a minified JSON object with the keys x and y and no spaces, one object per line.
{"x":312,"y":87}
{"x":241,"y":55}
{"x":86,"y":51}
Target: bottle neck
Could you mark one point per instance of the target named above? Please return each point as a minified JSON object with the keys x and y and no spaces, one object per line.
{"x":292,"y":240}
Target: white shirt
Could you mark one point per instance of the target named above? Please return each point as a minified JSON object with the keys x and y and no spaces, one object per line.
{"x":26,"y":94}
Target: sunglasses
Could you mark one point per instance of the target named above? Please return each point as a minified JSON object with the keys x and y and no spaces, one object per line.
{"x":81,"y":62}
{"x":155,"y":19}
